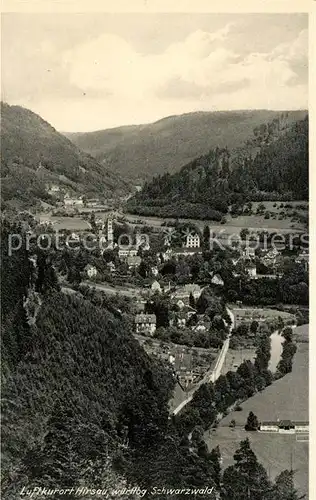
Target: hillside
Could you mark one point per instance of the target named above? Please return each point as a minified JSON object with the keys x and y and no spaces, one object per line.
{"x":76,"y":386}
{"x":141,"y":151}
{"x":271,"y":164}
{"x":33,"y":152}
{"x":82,"y":403}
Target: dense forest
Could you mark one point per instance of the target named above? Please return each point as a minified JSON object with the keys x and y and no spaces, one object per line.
{"x":272,"y":164}
{"x":138,"y":152}
{"x":34,"y":153}
{"x":83,"y":404}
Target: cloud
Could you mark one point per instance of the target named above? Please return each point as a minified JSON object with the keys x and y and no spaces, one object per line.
{"x":108,"y":62}
{"x":202,"y":66}
{"x":179,"y":89}
{"x":105,"y":81}
{"x":297,"y":50}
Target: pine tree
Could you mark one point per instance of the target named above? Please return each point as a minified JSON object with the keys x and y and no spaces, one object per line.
{"x":206,"y":237}
{"x":192,"y":301}
{"x":284,"y":487}
{"x":215,"y":458}
{"x":252,"y":423}
{"x":247,"y":478}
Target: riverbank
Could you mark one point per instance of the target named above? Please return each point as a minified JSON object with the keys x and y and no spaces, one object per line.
{"x":286,"y":398}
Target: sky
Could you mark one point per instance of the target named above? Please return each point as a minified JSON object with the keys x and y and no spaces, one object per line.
{"x":84,"y":72}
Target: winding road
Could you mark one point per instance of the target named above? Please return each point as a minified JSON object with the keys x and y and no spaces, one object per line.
{"x":212,"y":374}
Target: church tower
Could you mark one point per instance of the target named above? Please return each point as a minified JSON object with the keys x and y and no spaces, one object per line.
{"x":110,"y":238}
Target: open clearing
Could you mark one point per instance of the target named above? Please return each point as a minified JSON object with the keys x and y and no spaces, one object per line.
{"x":248,"y":314}
{"x":235,"y":357}
{"x":274,"y":451}
{"x":286,"y":398}
{"x":66,"y":223}
{"x":235,"y":224}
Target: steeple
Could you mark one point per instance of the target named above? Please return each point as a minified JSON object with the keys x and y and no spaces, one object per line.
{"x":109,"y":227}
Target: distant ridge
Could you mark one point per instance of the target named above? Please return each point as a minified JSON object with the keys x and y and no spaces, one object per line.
{"x":33,"y":152}
{"x":138,"y":152}
{"x":270,"y":165}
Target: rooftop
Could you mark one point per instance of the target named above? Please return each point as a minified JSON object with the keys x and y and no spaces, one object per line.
{"x":184,"y":250}
{"x":145,"y":318}
{"x":284,"y":423}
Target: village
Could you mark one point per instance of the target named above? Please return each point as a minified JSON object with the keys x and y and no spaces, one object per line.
{"x":178,"y":287}
{"x":155,"y":252}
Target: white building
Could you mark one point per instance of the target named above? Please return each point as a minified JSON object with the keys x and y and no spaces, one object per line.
{"x":301,"y":426}
{"x":52,"y":189}
{"x":109,"y":230}
{"x":73,"y":201}
{"x":126,"y":251}
{"x":133,"y":261}
{"x":193,"y":288}
{"x":142,"y":240}
{"x":91,"y":271}
{"x":284,"y":427}
{"x":249,"y":252}
{"x":185,"y":291}
{"x":172,"y":359}
{"x":192,"y":240}
{"x":251,"y":270}
{"x":145,"y":323}
{"x":111,"y":267}
{"x":269,"y":427}
{"x":166,"y":254}
{"x":303,"y":258}
{"x":217,"y":280}
{"x":155,"y":287}
{"x":154,"y":270}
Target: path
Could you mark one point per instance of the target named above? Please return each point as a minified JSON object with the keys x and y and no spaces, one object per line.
{"x":121,"y":290}
{"x":212,"y":374}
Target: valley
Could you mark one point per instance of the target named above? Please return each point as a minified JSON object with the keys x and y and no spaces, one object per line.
{"x":286,"y":398}
{"x":155,"y":253}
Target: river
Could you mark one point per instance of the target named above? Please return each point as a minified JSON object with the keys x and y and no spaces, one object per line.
{"x":276,"y":350}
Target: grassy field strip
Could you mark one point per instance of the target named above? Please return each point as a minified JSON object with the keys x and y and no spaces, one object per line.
{"x":286,"y":398}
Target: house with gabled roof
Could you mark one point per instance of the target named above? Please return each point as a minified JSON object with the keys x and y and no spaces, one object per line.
{"x":145,"y":323}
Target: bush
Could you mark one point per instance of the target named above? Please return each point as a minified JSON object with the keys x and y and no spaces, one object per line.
{"x":267,"y":215}
{"x":252,"y":423}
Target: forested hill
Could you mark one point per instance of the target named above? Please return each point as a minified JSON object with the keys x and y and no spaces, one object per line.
{"x":83,"y":406}
{"x":271,"y":164}
{"x":139,"y":152}
{"x":33,"y":152}
{"x":77,"y":388}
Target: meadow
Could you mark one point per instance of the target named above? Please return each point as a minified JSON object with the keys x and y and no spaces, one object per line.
{"x":276,"y":223}
{"x":287,"y":398}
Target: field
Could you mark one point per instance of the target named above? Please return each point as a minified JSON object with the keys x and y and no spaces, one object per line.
{"x":235,"y":357}
{"x":275,"y":452}
{"x":62,"y":223}
{"x":286,"y":398}
{"x":235,"y":224}
{"x":186,"y":359}
{"x":248,"y":314}
{"x":301,"y":333}
{"x":128,"y":291}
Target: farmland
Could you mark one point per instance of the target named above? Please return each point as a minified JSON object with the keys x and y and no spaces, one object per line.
{"x":235,"y":357}
{"x":276,"y":452}
{"x":286,"y":398}
{"x":65,"y":223}
{"x":280,"y":219}
{"x":248,"y":314}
